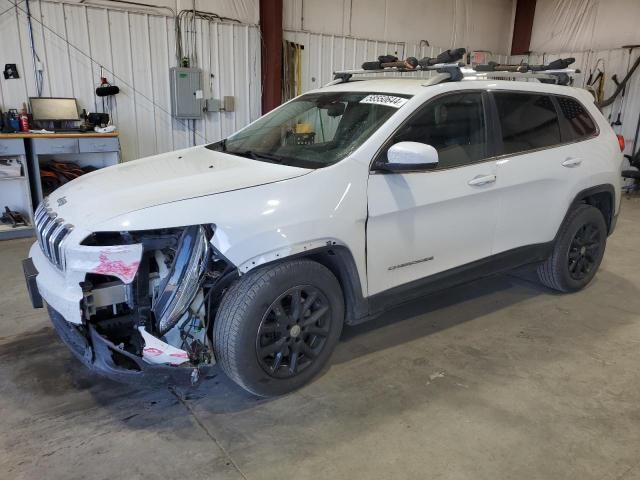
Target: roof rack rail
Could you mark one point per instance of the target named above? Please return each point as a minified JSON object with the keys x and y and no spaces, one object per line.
{"x":453,"y":69}
{"x":555,"y":72}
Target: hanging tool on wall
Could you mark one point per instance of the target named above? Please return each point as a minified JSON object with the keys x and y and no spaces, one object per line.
{"x":630,"y":49}
{"x":107,"y":92}
{"x":621,"y":85}
{"x":595,"y":81}
{"x":291,"y":69}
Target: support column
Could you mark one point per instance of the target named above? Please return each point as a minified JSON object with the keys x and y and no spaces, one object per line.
{"x":271,"y":28}
{"x":522,"y":27}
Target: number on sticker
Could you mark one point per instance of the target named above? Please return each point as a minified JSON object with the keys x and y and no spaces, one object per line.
{"x":387,"y":100}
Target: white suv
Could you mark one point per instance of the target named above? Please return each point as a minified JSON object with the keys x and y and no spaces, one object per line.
{"x":252,"y":253}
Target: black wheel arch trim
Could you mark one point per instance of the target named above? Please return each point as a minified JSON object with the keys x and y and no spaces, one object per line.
{"x":586,"y":194}
{"x":340,"y":261}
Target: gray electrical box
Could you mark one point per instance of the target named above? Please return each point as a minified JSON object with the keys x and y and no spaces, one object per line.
{"x":186,"y":92}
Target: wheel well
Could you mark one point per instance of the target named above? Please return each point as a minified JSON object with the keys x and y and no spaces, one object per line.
{"x":603,"y":201}
{"x":340,"y":262}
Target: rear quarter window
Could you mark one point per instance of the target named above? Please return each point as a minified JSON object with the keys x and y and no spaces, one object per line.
{"x":579,"y":124}
{"x":528,"y":121}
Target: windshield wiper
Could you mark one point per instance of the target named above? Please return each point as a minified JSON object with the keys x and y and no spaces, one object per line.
{"x":259,"y":156}
{"x":220,"y":146}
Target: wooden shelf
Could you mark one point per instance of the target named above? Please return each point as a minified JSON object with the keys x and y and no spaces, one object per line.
{"x":7,"y":136}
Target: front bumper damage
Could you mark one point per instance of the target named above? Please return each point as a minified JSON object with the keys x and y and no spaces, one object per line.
{"x":103,"y":357}
{"x":150,"y":328}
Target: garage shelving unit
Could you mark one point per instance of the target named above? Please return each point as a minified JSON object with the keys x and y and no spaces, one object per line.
{"x":15,"y":192}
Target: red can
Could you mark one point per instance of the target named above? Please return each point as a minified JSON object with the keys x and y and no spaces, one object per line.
{"x":24,"y":121}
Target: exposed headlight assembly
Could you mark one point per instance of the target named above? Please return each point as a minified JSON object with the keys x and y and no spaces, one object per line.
{"x":180,"y":286}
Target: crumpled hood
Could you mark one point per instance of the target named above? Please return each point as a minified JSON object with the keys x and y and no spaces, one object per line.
{"x":170,"y":177}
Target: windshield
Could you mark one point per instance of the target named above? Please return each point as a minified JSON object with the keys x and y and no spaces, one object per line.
{"x":315,"y":130}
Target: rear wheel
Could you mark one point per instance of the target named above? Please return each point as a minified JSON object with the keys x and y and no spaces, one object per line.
{"x":578,"y":250}
{"x":277,"y":326}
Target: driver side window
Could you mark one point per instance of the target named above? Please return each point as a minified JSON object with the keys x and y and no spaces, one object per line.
{"x":454,"y":125}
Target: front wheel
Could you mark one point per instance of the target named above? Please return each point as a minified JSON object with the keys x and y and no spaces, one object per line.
{"x":577,"y":252}
{"x":277,"y":326}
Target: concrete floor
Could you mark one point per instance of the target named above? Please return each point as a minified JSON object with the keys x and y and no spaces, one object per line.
{"x":493,"y":380}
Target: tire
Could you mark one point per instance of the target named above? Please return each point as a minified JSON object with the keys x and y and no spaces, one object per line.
{"x":574,"y":260}
{"x":266,"y":345}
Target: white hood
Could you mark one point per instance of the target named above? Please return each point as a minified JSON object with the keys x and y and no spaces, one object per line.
{"x":196,"y":172}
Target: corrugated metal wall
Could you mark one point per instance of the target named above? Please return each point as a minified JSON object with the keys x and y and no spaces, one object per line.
{"x":614,"y":61}
{"x":324,"y":54}
{"x":139,"y":49}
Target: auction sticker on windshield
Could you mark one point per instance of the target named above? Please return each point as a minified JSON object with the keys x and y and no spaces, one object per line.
{"x":388,"y":100}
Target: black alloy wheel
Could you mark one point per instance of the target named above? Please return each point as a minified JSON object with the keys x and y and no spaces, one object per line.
{"x":293,"y":331}
{"x":577,"y":250}
{"x":584,"y":251}
{"x":277,"y":325}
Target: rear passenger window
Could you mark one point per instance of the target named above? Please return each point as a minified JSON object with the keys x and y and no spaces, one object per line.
{"x":454,"y":125}
{"x":528,"y":121}
{"x":579,"y":122}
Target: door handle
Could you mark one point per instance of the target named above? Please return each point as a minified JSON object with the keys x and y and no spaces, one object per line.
{"x":571,"y":162}
{"x":481,"y":180}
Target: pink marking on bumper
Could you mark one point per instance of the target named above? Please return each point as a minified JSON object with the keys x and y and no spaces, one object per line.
{"x":152,"y":351}
{"x":179,"y":355}
{"x":117,"y":268}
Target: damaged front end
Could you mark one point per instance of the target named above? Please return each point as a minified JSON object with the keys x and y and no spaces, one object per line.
{"x":157,"y":319}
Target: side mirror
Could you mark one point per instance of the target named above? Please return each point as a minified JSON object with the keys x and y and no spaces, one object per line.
{"x":410,"y":156}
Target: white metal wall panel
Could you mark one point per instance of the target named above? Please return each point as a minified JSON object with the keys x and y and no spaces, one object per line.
{"x":136,"y":50}
{"x":479,"y":24}
{"x":324,"y":54}
{"x":585,"y":24}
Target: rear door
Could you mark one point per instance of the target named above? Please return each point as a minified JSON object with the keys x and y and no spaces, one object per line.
{"x":537,"y":169}
{"x":422,"y":223}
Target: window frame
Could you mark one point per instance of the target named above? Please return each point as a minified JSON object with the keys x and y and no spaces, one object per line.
{"x":490,"y":137}
{"x":562,"y":122}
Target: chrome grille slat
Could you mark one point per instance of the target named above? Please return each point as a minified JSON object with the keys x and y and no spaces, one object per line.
{"x":51,"y":231}
{"x":52,"y":240}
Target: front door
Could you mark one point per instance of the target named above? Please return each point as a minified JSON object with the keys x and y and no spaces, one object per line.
{"x":422,"y":223}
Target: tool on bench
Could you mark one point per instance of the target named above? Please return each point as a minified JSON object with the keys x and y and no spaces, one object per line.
{"x":10,"y":121}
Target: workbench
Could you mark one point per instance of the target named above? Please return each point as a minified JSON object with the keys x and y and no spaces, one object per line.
{"x":23,"y":193}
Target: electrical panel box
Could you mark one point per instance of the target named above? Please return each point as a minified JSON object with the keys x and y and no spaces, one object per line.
{"x":186,"y":92}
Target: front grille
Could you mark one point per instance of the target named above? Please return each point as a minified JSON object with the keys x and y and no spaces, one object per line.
{"x":51,"y":231}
